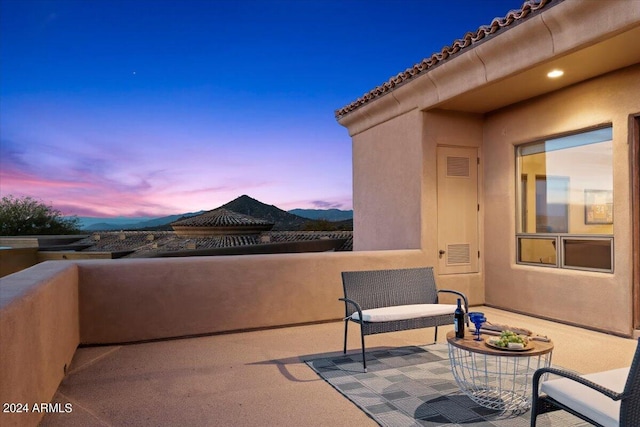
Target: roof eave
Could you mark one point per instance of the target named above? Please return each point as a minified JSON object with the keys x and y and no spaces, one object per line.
{"x":468,"y":42}
{"x":510,"y":67}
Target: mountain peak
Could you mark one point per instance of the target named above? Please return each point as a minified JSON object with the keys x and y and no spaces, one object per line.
{"x":283,"y":220}
{"x":246,"y":205}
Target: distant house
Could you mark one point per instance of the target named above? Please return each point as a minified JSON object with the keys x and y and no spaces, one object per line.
{"x":218,"y":222}
{"x":511,"y":160}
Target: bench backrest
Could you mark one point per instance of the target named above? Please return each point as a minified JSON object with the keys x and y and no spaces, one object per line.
{"x":384,"y":288}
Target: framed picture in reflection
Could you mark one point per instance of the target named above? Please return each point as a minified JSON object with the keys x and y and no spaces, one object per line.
{"x":598,"y":207}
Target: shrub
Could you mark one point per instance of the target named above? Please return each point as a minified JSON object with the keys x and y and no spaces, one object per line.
{"x":27,"y":216}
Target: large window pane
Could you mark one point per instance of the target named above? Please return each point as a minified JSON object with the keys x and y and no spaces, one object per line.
{"x":566,"y":185}
{"x":565,"y":194}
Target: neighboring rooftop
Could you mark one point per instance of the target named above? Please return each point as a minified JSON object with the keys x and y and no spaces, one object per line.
{"x":142,"y":244}
{"x":220,"y":221}
{"x":470,"y":40}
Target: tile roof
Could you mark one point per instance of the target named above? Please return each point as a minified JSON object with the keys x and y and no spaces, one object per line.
{"x":149,"y":243}
{"x":297,"y":236}
{"x":469,"y":40}
{"x":221,"y":218}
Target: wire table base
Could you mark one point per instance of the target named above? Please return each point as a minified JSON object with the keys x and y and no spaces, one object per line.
{"x":499,"y":380}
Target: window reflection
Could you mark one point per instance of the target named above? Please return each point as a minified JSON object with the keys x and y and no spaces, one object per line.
{"x":537,"y":250}
{"x":566,"y":188}
{"x":592,"y":254}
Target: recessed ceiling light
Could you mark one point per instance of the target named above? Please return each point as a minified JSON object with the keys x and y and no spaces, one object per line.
{"x":554,"y":74}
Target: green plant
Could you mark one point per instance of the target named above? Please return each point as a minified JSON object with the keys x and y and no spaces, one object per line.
{"x":27,"y":216}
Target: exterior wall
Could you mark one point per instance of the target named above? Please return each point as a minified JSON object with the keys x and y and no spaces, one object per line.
{"x":596,"y":300}
{"x":39,"y":333}
{"x":20,"y":241}
{"x":13,"y":260}
{"x":387,"y":166}
{"x":71,"y":255}
{"x":395,"y":186}
{"x":445,"y":128}
{"x":144,"y":299}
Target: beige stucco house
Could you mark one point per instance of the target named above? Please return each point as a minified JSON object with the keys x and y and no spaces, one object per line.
{"x":520,"y":187}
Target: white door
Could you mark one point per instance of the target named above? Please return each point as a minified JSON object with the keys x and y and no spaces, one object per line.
{"x":457,"y":210}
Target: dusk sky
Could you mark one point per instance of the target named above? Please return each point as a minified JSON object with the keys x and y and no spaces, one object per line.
{"x":145,"y":108}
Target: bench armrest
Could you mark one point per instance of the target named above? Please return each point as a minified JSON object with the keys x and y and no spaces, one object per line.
{"x":348,"y":301}
{"x":464,"y":299}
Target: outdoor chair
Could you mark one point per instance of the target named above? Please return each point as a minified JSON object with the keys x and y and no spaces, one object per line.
{"x":608,"y":399}
{"x":394,"y":300}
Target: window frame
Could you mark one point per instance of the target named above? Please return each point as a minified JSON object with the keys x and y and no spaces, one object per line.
{"x":559,"y":238}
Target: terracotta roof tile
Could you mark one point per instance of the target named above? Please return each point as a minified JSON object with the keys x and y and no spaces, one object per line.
{"x":469,"y":40}
{"x":221,"y":218}
{"x":149,"y":243}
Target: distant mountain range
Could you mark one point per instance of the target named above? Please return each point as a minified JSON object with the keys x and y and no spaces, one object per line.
{"x":120,"y":223}
{"x":296,"y":219}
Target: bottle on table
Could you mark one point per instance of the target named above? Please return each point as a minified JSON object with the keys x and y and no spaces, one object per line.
{"x":458,"y":320}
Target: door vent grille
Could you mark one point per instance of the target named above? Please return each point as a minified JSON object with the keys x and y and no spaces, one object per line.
{"x":458,"y":254}
{"x":458,"y":166}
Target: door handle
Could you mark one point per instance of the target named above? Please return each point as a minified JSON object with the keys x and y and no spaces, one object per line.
{"x":441,"y":252}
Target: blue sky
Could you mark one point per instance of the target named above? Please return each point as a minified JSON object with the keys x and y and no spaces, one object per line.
{"x":158,"y":107}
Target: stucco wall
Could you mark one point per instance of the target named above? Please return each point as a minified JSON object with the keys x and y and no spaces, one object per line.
{"x":597,"y":300}
{"x":387,"y":166}
{"x":39,"y":334}
{"x":450,"y":129}
{"x":15,"y":259}
{"x":395,"y":186}
{"x":132,"y":300}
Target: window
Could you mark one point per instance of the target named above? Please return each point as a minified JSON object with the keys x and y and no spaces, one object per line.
{"x":565,"y":201}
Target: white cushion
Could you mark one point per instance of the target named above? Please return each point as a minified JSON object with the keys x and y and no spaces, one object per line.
{"x":403,"y":312}
{"x":587,"y":401}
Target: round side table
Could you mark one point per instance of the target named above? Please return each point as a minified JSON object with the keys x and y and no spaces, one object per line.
{"x":493,"y":378}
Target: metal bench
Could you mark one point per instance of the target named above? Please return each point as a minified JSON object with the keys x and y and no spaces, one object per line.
{"x":394,"y":300}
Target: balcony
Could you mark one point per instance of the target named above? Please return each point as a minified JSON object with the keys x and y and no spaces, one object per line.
{"x":259,"y":378}
{"x":211,"y":341}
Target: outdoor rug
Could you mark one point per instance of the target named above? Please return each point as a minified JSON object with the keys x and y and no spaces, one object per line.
{"x":414,"y":386}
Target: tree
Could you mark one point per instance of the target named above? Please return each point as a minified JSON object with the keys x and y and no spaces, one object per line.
{"x":325,"y":225}
{"x":27,"y":216}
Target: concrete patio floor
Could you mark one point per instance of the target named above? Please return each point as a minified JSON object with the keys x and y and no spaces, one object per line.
{"x":259,"y":378}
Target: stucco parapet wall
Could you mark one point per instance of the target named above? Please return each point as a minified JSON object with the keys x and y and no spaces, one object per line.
{"x":131,"y":300}
{"x":25,"y":283}
{"x":39,"y":333}
{"x":13,"y":260}
{"x":565,"y":28}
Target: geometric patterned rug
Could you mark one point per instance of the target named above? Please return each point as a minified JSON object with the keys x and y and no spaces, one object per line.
{"x":414,"y":386}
